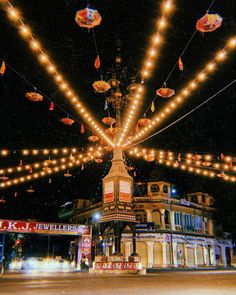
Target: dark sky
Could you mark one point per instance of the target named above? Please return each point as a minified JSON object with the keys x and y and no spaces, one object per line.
{"x":24,"y":124}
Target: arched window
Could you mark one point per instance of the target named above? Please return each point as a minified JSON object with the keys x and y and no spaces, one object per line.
{"x":165,"y":189}
{"x":203,"y":199}
{"x":195,"y":199}
{"x":155,"y":188}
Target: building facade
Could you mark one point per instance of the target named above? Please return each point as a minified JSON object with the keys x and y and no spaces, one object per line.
{"x":172,"y":231}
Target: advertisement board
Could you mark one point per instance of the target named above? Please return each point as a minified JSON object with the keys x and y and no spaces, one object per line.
{"x":37,"y":227}
{"x":124,"y":191}
{"x":108,"y":192}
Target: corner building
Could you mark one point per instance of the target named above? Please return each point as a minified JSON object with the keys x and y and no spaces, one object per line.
{"x":172,"y":231}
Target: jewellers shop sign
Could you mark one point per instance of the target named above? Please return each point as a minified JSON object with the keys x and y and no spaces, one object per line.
{"x":36,"y":227}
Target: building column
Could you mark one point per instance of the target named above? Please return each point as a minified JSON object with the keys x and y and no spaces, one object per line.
{"x":174,"y":253}
{"x":223,"y":255}
{"x":149,"y":215}
{"x":212,"y":256}
{"x":205,"y":256}
{"x":127,"y":250}
{"x":164,"y":260}
{"x":172,"y":220}
{"x":195,"y":255}
{"x":185,"y":255}
{"x":210,"y":227}
{"x":162,"y":211}
{"x":150,"y":253}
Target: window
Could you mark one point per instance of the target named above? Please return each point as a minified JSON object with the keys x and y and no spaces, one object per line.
{"x":178,"y":218}
{"x":155,"y":188}
{"x":188,"y":220}
{"x":165,"y":189}
{"x":197,"y":222}
{"x":203,"y":199}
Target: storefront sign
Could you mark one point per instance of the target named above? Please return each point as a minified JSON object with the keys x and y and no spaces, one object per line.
{"x":17,"y":226}
{"x":118,"y":265}
{"x":124,"y":191}
{"x":108,"y":192}
{"x":144,"y":226}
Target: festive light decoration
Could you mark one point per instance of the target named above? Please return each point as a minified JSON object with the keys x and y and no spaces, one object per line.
{"x":97,"y":63}
{"x":156,"y":41}
{"x":171,"y":159}
{"x":180,"y":64}
{"x":34,"y":96}
{"x":67,"y":121}
{"x":186,"y":91}
{"x":52,"y":70}
{"x":2,"y":68}
{"x":209,"y":22}
{"x":143,"y":121}
{"x":108,"y":120}
{"x":101,"y":86}
{"x":93,"y":138}
{"x":88,"y":18}
{"x":165,"y":92}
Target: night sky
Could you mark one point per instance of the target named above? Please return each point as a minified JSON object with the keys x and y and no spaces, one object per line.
{"x":24,"y":124}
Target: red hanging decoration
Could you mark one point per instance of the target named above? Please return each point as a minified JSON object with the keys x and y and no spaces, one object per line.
{"x":82,"y":128}
{"x":2,"y":68}
{"x":51,"y":107}
{"x":21,"y":163}
{"x":67,"y":121}
{"x":179,"y":157}
{"x":97,"y":63}
{"x":180,"y":64}
{"x":31,"y":170}
{"x":222,"y":156}
{"x":82,"y":167}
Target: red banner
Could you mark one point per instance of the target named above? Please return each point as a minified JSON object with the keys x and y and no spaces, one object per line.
{"x":108,"y":192}
{"x":86,"y":247}
{"x":17,"y":226}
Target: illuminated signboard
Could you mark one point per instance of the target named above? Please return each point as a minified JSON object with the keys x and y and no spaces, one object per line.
{"x":36,"y":227}
{"x":109,"y":191}
{"x":124,"y":191}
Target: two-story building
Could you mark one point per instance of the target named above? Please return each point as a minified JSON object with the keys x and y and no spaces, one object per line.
{"x":172,"y":231}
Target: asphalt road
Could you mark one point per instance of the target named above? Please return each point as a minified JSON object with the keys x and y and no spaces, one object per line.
{"x":201,"y":282}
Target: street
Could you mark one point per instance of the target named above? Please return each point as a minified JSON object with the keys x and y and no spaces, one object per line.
{"x":186,"y":282}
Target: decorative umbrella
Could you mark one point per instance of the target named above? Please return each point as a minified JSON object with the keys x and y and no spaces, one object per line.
{"x":143,"y":121}
{"x":93,"y":138}
{"x":165,"y":92}
{"x":67,"y":121}
{"x":88,"y":18}
{"x":209,"y":22}
{"x":108,"y":120}
{"x":34,"y":96}
{"x":101,"y":86}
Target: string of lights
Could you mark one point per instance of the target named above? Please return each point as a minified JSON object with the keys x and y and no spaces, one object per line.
{"x":189,"y":165}
{"x":51,"y":167}
{"x":148,"y":66}
{"x":46,"y":61}
{"x":209,"y":68}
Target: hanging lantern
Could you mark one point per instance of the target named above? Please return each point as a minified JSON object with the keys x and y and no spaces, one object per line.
{"x":209,"y":22}
{"x":118,"y":93}
{"x":101,"y":86}
{"x":97,"y":63}
{"x":113,"y":81}
{"x":98,"y":160}
{"x":108,"y":120}
{"x":206,"y":164}
{"x":93,"y":138}
{"x":88,"y":18}
{"x":143,"y":121}
{"x":153,"y":107}
{"x":180,"y":64}
{"x":31,"y":170}
{"x":30,"y":190}
{"x":165,"y":92}
{"x":67,"y":174}
{"x":67,"y":121}
{"x":34,"y":96}
{"x":82,"y":128}
{"x":2,"y":68}
{"x":51,"y":107}
{"x":111,"y":130}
